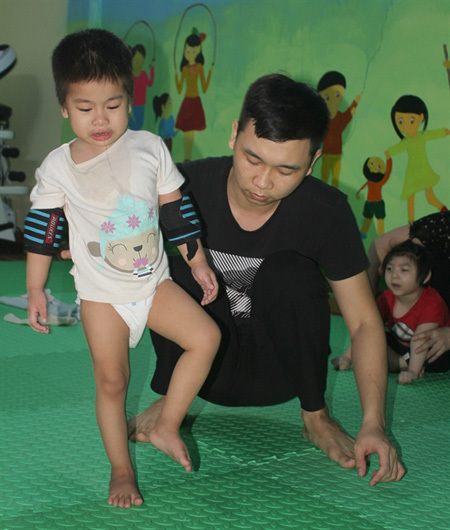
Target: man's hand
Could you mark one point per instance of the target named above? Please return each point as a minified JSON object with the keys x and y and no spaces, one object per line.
{"x":372,"y":440}
{"x":436,"y":341}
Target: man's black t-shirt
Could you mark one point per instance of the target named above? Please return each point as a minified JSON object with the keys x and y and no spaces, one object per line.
{"x":315,"y":221}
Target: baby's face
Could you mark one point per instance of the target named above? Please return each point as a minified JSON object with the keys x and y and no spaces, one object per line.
{"x":401,"y":276}
{"x":98,"y":112}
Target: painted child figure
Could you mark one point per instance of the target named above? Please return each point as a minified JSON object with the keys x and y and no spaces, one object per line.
{"x":408,"y":307}
{"x":377,"y":174}
{"x":332,"y":86}
{"x":112,"y":185}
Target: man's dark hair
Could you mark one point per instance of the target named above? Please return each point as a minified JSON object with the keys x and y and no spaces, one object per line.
{"x":282,"y":109}
{"x":330,"y":79}
{"x":91,"y":55}
{"x":415,"y":253}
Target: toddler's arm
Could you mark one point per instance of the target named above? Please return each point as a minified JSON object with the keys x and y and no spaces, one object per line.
{"x":38,"y":266}
{"x":417,"y":358}
{"x":196,"y":259}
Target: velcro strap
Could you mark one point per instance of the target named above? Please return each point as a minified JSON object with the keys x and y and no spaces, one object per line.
{"x":43,"y":231}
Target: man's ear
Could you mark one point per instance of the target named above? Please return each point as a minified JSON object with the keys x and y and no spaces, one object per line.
{"x":234,"y":133}
{"x":316,"y":157}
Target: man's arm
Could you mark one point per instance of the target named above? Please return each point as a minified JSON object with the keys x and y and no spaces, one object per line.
{"x":369,"y":358}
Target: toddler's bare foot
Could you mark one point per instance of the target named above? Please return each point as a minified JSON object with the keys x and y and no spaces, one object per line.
{"x":342,"y":363}
{"x":139,"y":426}
{"x":406,"y":377}
{"x":171,"y":444}
{"x":123,"y":491}
{"x":326,"y":434}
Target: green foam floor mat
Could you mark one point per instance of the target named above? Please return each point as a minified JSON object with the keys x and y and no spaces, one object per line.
{"x":252,"y":468}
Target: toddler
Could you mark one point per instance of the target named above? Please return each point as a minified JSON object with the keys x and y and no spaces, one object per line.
{"x":409,"y":306}
{"x":116,"y":187}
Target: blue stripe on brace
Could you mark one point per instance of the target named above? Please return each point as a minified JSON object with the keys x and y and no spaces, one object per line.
{"x":185,"y":235}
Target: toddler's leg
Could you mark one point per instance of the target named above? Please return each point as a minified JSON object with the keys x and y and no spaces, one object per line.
{"x":107,"y":337}
{"x":396,"y":362}
{"x":176,"y":316}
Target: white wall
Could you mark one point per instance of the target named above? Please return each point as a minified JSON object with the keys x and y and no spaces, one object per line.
{"x":33,"y":28}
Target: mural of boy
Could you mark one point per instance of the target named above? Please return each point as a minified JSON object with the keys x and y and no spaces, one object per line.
{"x":377,"y":174}
{"x":332,"y":87}
{"x":141,"y":82}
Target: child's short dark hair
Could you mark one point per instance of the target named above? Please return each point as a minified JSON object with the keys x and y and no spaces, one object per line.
{"x":283,"y":109}
{"x":415,"y":253}
{"x":91,"y":55}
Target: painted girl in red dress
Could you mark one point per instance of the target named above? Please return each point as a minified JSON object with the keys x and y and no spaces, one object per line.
{"x":191,"y":116}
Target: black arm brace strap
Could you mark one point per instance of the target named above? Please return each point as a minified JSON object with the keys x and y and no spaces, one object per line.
{"x":43,"y":231}
{"x":180,"y":224}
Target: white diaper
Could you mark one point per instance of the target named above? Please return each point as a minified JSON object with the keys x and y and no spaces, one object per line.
{"x":135,"y":315}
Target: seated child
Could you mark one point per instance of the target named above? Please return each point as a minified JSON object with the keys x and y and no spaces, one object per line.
{"x":113,"y":185}
{"x":408,"y":307}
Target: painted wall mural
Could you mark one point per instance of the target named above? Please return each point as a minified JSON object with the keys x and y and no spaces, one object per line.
{"x":375,"y":64}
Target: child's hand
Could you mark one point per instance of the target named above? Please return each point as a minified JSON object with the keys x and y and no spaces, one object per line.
{"x":406,"y":377}
{"x":37,"y":307}
{"x":344,"y":361}
{"x":341,"y":363}
{"x":206,"y":278}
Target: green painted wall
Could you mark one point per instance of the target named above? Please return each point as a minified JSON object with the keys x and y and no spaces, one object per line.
{"x":384,"y":48}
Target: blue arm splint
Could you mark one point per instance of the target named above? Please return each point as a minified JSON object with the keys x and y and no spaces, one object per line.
{"x":180,"y":224}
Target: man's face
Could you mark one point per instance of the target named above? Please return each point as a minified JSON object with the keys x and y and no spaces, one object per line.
{"x":333,"y":98}
{"x":264,"y":172}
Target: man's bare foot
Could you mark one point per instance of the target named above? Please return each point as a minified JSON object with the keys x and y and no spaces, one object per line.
{"x":326,"y":434}
{"x":341,"y":363}
{"x":123,"y":491}
{"x":171,"y":444}
{"x":139,"y":426}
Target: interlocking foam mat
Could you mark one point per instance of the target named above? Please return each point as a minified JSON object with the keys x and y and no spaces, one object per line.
{"x":253,"y":469}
